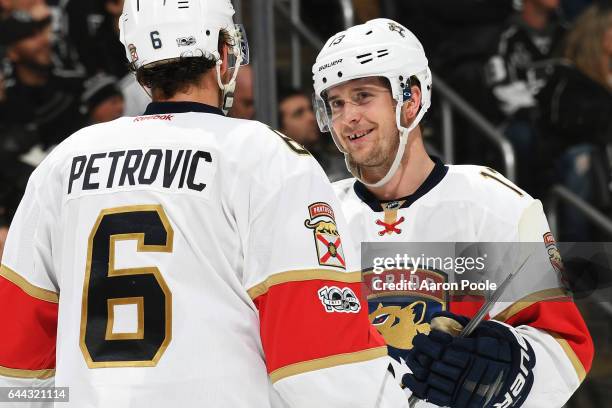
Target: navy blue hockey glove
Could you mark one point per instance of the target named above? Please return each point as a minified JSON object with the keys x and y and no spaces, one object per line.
{"x":490,"y":368}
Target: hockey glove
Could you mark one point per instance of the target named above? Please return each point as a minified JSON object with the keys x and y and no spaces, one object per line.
{"x":491,"y":367}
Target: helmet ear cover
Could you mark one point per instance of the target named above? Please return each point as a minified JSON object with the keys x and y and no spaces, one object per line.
{"x":407,"y":87}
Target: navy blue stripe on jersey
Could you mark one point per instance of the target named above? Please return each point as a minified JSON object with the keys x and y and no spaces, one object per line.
{"x":435,"y":177}
{"x":158,"y":108}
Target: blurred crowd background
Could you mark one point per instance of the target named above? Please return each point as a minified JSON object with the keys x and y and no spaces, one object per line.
{"x":538,"y":71}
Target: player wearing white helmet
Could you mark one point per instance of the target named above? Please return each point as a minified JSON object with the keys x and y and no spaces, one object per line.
{"x":383,"y":65}
{"x":183,"y":258}
{"x":372,"y":88}
{"x":159,"y":34}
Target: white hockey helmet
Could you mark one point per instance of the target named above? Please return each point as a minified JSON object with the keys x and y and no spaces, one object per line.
{"x":153,"y":31}
{"x":377,"y":48}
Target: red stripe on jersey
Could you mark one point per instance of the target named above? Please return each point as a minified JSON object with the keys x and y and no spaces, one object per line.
{"x":295,"y":326}
{"x":29,"y":327}
{"x":562,"y":318}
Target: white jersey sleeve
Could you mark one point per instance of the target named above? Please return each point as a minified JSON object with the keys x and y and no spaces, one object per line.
{"x":30,"y":298}
{"x":537,"y":303}
{"x":302,"y":273}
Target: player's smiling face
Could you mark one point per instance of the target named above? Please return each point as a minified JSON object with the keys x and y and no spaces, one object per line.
{"x":363,"y":118}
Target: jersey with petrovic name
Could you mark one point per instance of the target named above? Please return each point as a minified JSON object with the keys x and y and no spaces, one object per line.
{"x":464,"y":205}
{"x":186,"y":259}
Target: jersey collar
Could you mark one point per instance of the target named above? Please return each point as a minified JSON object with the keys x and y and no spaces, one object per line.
{"x":434,"y":178}
{"x":159,"y":108}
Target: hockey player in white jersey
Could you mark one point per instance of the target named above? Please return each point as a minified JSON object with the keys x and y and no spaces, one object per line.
{"x":182,"y":258}
{"x":372,"y":88}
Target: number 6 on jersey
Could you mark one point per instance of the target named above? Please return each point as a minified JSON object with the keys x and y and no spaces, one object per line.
{"x":106,"y":287}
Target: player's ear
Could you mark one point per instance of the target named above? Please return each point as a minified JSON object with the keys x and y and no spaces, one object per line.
{"x":224,"y":59}
{"x":411,"y":107}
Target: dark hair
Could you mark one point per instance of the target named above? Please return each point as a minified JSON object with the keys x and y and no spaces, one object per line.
{"x":288,"y":92}
{"x":98,"y":89}
{"x":284,"y":94}
{"x":165,"y":79}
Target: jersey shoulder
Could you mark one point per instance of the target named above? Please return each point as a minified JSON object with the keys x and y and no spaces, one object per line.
{"x":58,"y":157}
{"x":343,"y":188}
{"x":266,"y":161}
{"x":487,"y":188}
{"x":352,"y":205}
{"x":275,"y":154}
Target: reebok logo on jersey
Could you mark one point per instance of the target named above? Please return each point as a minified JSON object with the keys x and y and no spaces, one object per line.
{"x":153,"y":117}
{"x":326,"y":235}
{"x":339,"y":300}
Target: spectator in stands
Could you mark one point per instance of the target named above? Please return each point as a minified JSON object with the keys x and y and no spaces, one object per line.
{"x":35,"y":92}
{"x":297,"y":121}
{"x":517,"y":72}
{"x":65,"y":57}
{"x":526,"y":44}
{"x":40,"y":107}
{"x":576,"y":107}
{"x":85,"y":20}
{"x":14,"y":12}
{"x":456,"y":33}
{"x":32,"y":6}
{"x":107,"y":52}
{"x":244,"y":101}
{"x":102,"y":100}
{"x":65,"y":54}
{"x":94,"y":30}
{"x":460,"y":36}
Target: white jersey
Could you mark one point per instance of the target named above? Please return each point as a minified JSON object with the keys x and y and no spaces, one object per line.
{"x":186,"y":259}
{"x":472,"y":204}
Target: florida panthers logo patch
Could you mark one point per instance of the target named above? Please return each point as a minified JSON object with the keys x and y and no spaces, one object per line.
{"x":327,"y":239}
{"x":400,"y":315}
{"x":553,"y":252}
{"x":399,"y":324}
{"x":133,"y":52}
{"x":555,"y":258}
{"x":397,"y":28}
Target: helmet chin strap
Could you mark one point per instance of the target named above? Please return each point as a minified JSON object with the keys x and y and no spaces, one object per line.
{"x":229,"y":88}
{"x":394,"y":166}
